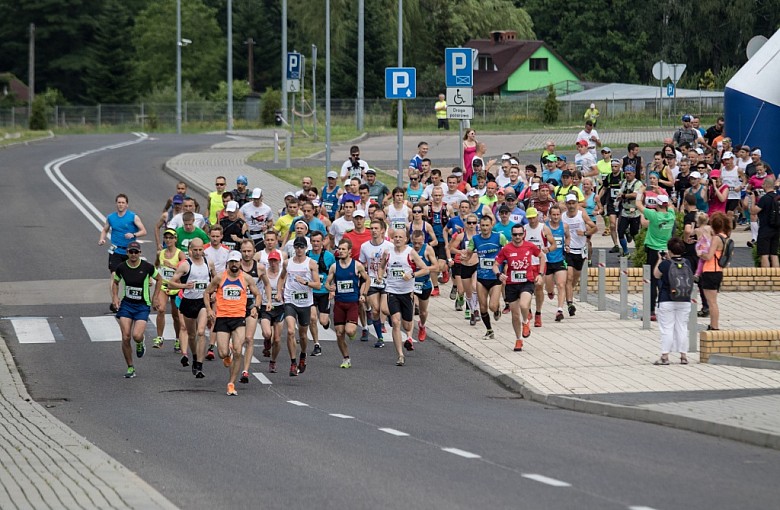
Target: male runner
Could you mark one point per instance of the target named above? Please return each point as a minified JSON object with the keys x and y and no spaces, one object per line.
{"x":539,"y":234}
{"x":372,"y":255}
{"x":320,"y":311}
{"x":422,"y":284}
{"x":271,"y":320}
{"x":301,"y":277}
{"x":487,"y":245}
{"x":580,"y":227}
{"x":256,"y":271}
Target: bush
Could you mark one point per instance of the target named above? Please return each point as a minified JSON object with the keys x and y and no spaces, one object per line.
{"x":394,"y":114}
{"x":38,"y":117}
{"x":270,"y":101}
{"x":639,"y":257}
{"x":551,"y":107}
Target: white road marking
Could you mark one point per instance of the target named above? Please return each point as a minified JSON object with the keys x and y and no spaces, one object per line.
{"x":462,"y":453}
{"x":546,"y":480}
{"x":102,"y":329}
{"x":297,"y":403}
{"x":34,"y":330}
{"x":342,"y":416}
{"x":394,"y":432}
{"x":262,"y":378}
{"x":255,"y":360}
{"x":641,"y":508}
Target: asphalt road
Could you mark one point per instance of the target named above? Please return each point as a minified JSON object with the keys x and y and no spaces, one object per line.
{"x":202,"y":449}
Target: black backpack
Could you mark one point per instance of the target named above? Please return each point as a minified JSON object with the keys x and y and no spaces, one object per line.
{"x":728,"y":252}
{"x":680,"y":279}
{"x":774,"y":212}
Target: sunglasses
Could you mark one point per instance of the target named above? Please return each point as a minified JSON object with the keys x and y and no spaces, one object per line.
{"x":517,"y":235}
{"x":471,"y":223}
{"x":219,"y":184}
{"x":169,"y":237}
{"x":414,"y":179}
{"x":416,"y":212}
{"x":133,"y":251}
{"x":355,"y":155}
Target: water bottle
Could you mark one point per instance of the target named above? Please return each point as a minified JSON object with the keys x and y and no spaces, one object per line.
{"x":634,"y":311}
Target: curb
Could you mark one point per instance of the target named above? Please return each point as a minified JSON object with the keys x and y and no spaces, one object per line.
{"x":358,"y":139}
{"x":518,"y":385}
{"x":28,"y":142}
{"x":736,"y":361}
{"x":182,"y":177}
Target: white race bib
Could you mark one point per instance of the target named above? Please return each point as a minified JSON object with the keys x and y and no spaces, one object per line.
{"x":231,"y":293}
{"x":486,"y":263}
{"x":519,"y":276}
{"x":376,"y":283}
{"x":418,"y":287}
{"x":345,"y":286}
{"x":300,"y":298}
{"x":134,"y":292}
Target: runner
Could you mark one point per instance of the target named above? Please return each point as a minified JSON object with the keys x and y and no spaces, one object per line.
{"x":217,"y":253}
{"x":166,"y":262}
{"x":188,"y":231}
{"x":301,"y":276}
{"x":557,"y":272}
{"x":343,"y":280}
{"x":629,"y":221}
{"x":343,"y":224}
{"x":467,"y":268}
{"x":402,"y":266}
{"x":234,"y":228}
{"x":487,"y":245}
{"x":608,"y":197}
{"x":320,"y":311}
{"x":193,"y":276}
{"x":397,"y":213}
{"x":271,"y":319}
{"x":539,"y":234}
{"x":250,"y":266}
{"x":372,"y":255}
{"x":439,"y":214}
{"x":580,"y":227}
{"x":133,"y":310}
{"x":229,"y":314}
{"x":525,"y":265}
{"x":258,"y":218}
{"x":422,"y":284}
{"x":454,"y":226}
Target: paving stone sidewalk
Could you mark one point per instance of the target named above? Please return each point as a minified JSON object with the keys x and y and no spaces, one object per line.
{"x":591,"y":362}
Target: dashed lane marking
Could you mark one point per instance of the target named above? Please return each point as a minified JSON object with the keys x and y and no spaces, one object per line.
{"x":261,"y":377}
{"x":297,"y":403}
{"x":462,"y":453}
{"x":394,"y":432}
{"x":546,"y":480}
{"x":342,"y":416}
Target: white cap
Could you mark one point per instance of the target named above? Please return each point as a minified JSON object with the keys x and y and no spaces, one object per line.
{"x":359,"y":212}
{"x":662,"y":199}
{"x":234,"y":255}
{"x":535,"y":186}
{"x":592,"y":105}
{"x":332,"y":175}
{"x":472,"y":193}
{"x":757,"y":152}
{"x":695,"y":175}
{"x":700,"y":151}
{"x":727,"y":155}
{"x":257,"y":193}
{"x":571,"y":197}
{"x":289,"y":194}
{"x":504,"y":157}
{"x":232,"y":206}
{"x":513,"y":161}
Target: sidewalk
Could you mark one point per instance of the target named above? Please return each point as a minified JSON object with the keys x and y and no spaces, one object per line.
{"x":44,"y":464}
{"x":592,"y":362}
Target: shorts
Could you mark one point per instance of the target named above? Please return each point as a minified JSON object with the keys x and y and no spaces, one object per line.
{"x":554,"y":267}
{"x":575,"y":260}
{"x":259,"y":244}
{"x":275,"y":316}
{"x":401,"y":303}
{"x":513,"y":290}
{"x":322,"y":302}
{"x":467,"y":272}
{"x":250,"y":304}
{"x":767,"y":244}
{"x":612,"y":210}
{"x":441,"y":253}
{"x":228,"y":324}
{"x":114,"y":259}
{"x":301,"y":315}
{"x":425,"y":294}
{"x":375,"y":290}
{"x":488,"y":284}
{"x":345,"y":312}
{"x":732,"y":204}
{"x":190,"y":308}
{"x":457,"y":267}
{"x":137,"y":311}
{"x":711,"y":280}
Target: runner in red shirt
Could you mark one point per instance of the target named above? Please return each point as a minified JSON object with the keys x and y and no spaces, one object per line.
{"x":525,"y":264}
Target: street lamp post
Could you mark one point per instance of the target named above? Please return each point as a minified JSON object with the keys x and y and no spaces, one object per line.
{"x":327,"y":87}
{"x":178,"y":67}
{"x":229,"y":65}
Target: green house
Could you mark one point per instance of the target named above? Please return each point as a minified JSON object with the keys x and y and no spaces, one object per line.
{"x":506,"y":65}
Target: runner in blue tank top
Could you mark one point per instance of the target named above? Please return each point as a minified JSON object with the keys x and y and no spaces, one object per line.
{"x":487,"y":245}
{"x":556,"y":264}
{"x":422,"y":284}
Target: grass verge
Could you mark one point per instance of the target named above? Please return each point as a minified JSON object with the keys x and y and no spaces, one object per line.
{"x":317,"y":173}
{"x":10,"y":138}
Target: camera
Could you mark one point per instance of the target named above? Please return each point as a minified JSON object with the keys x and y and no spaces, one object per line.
{"x":662,"y":254}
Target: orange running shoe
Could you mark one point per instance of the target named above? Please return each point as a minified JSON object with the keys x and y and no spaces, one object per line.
{"x":526,"y":329}
{"x":228,"y":360}
{"x":231,"y":389}
{"x":538,"y":320}
{"x":518,"y":345}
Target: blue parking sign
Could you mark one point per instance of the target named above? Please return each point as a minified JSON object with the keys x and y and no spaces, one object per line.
{"x":459,"y":67}
{"x":293,"y":66}
{"x":400,"y":82}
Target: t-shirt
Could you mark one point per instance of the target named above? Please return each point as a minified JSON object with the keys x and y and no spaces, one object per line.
{"x":453,"y":199}
{"x":282,"y":225}
{"x":340,"y":227}
{"x":584,"y":135}
{"x":137,"y":281}
{"x":586,"y":162}
{"x":177,"y":221}
{"x":765,"y":203}
{"x":256,"y":216}
{"x":354,"y":171}
{"x":378,"y":191}
{"x":660,"y":229}
{"x":522,"y":262}
{"x":429,"y":189}
{"x":357,"y":240}
{"x":183,"y":238}
{"x":327,"y":260}
{"x":664,"y":289}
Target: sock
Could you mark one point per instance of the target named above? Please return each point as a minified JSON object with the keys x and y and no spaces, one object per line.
{"x":303,"y":356}
{"x":378,"y":328}
{"x":486,"y":320}
{"x":294,"y":361}
{"x":474,"y":301}
{"x":624,"y":244}
{"x":538,"y":313}
{"x":569,"y":303}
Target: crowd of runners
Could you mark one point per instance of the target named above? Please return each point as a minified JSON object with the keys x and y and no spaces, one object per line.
{"x":365,"y":260}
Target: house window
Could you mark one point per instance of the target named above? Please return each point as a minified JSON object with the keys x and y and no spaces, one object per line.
{"x":485,"y":63}
{"x":538,"y":64}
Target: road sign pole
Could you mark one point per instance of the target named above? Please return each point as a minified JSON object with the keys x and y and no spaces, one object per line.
{"x":400,"y":177}
{"x":284,"y":59}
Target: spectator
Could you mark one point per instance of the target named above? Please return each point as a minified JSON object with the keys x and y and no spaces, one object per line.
{"x":712,"y":272}
{"x":690,"y":239}
{"x":718,"y":194}
{"x":672,"y":315}
{"x":592,"y":114}
{"x":768,"y":235}
{"x":661,"y":223}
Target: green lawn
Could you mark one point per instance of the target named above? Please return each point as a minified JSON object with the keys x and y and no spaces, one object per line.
{"x":10,"y":138}
{"x":317,"y":173}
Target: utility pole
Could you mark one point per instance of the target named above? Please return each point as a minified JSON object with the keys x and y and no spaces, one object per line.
{"x":178,"y":67}
{"x":230,"y":65}
{"x":250,"y":43}
{"x":360,"y":64}
{"x":327,"y":87}
{"x":284,"y":60}
{"x":400,"y":153}
{"x":31,"y":73}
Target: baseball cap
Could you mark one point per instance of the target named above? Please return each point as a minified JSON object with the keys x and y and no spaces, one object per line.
{"x":531,"y":212}
{"x":513,"y":161}
{"x":241,"y":179}
{"x":757,"y":152}
{"x":472,"y":193}
{"x":699,"y":151}
{"x":535,"y":186}
{"x":170,"y":232}
{"x":727,"y":155}
{"x":234,"y":256}
{"x":606,"y":149}
{"x":629,"y":168}
{"x":715,"y":174}
{"x":504,"y":157}
{"x":745,"y":148}
{"x":274,"y":255}
{"x":359,"y":212}
{"x":232,"y":206}
{"x":458,"y":173}
{"x":257,"y":193}
{"x":371,"y":171}
{"x":582,"y":143}
{"x":687,"y":118}
{"x":332,"y":175}
{"x":476,"y":162}
{"x":695,"y":175}
{"x":566,"y":173}
{"x":615,"y":160}
{"x":662,"y":199}
{"x":510,"y":194}
{"x":504,"y":209}
{"x":501,"y":191}
{"x":300,"y":242}
{"x":562,"y":157}
{"x":134,"y":245}
{"x":289,"y":194}
{"x":571,"y":197}
{"x":178,"y":199}
{"x":550,"y":158}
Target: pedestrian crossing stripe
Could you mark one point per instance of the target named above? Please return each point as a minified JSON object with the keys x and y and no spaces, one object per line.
{"x":33,"y":330}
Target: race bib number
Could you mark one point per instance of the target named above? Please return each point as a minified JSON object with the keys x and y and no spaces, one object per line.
{"x":274,"y":296}
{"x":558,"y":241}
{"x":486,"y":263}
{"x":200,"y":285}
{"x":300,"y":297}
{"x":397,"y":273}
{"x":519,"y":276}
{"x":374,"y":198}
{"x":328,"y":206}
{"x":418,"y":287}
{"x":585,"y":251}
{"x":229,"y":245}
{"x":614,"y":192}
{"x":345,"y":286}
{"x":167,"y":272}
{"x":134,"y":292}
{"x":414,"y":199}
{"x":399,"y":225}
{"x":231,"y":293}
{"x":112,"y":249}
{"x":376,"y":283}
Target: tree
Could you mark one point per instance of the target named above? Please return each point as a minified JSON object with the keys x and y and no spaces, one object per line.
{"x":154,"y":39}
{"x":38,"y":118}
{"x":551,"y":106}
{"x":110,"y":78}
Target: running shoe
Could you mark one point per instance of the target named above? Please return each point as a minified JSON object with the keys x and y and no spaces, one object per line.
{"x":272,"y":367}
{"x":629,"y":238}
{"x":653,"y":318}
{"x":435,"y":292}
{"x":572,"y":310}
{"x":559,"y":316}
{"x":244,"y":377}
{"x":506,"y":310}
{"x":231,"y":390}
{"x":422,"y":333}
{"x":704,"y":312}
{"x":185,"y":361}
{"x":347,"y":363}
{"x":140,"y":349}
{"x":199,"y":374}
{"x":293,"y":370}
{"x":550,"y":295}
{"x":364,"y":336}
{"x":384,"y":329}
{"x":518,"y":345}
{"x":379,"y":344}
{"x":210,"y":353}
{"x":497,"y":315}
{"x":194,"y":367}
{"x":317,"y":350}
{"x":467,"y":314}
{"x":458,"y":305}
{"x":454,"y":292}
{"x":176,"y":345}
{"x":615,"y":249}
{"x":473,"y":319}
{"x":489,"y":335}
{"x":301,"y":365}
{"x":130,"y":373}
{"x":400,"y":361}
{"x":408,"y":345}
{"x":526,"y":329}
{"x":157,"y":342}
{"x":538,"y":320}
{"x":445,"y":277}
{"x":266,"y":348}
{"x":227,"y":361}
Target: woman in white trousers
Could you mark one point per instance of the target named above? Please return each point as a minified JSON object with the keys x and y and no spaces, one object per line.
{"x":672,"y":312}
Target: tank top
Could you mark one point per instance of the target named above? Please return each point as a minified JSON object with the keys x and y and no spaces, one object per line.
{"x":347,"y":283}
{"x":486,"y":249}
{"x":295,"y":293}
{"x":422,"y":283}
{"x":712,"y":266}
{"x":559,"y":234}
{"x":199,"y":275}
{"x":253,"y":273}
{"x":215,"y":205}
{"x":700,"y":203}
{"x":231,"y":297}
{"x":536,"y":235}
{"x":166,"y":271}
{"x":427,"y":236}
{"x":330,"y":201}
{"x":590,"y":205}
{"x":398,"y":219}
{"x":438,"y":220}
{"x":274,"y":281}
{"x":576,"y":241}
{"x":397,"y":265}
{"x":464,"y":243}
{"x":414,"y":195}
{"x":121,"y":225}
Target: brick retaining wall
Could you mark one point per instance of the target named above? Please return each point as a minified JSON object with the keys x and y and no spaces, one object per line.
{"x":745,"y":343}
{"x":735,"y":279}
